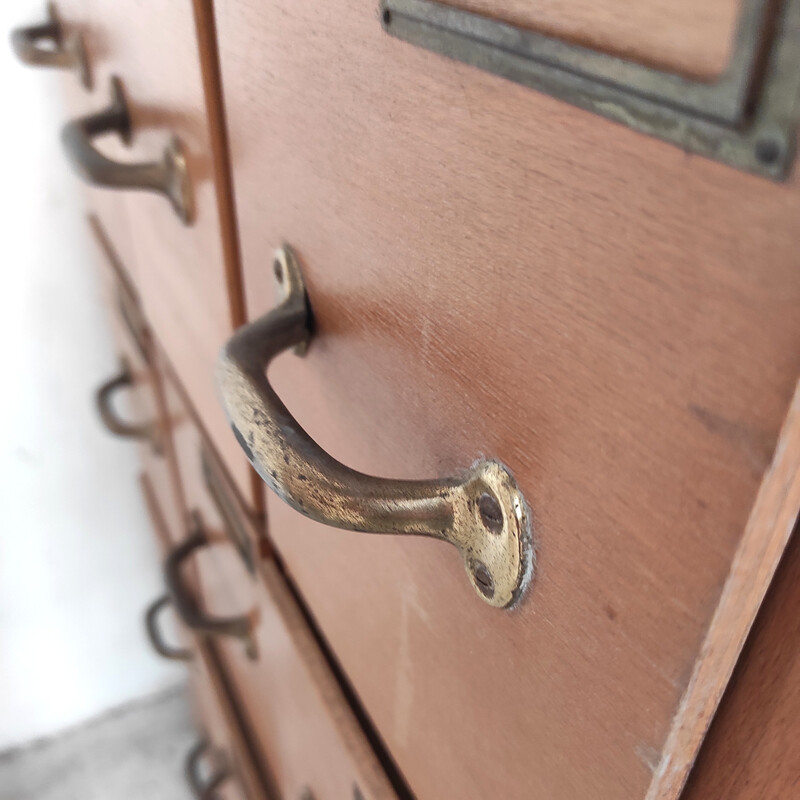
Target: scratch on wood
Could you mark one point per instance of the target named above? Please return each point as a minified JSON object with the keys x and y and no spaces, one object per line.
{"x":755,"y":444}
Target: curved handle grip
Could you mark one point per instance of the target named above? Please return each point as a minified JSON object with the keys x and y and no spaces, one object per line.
{"x":168,"y":177}
{"x":65,"y":52}
{"x":204,"y":790}
{"x":186,"y":605}
{"x":112,"y":422}
{"x":482,"y":513}
{"x":151,"y":617}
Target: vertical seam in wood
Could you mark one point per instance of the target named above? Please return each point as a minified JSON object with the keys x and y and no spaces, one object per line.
{"x":208,"y":54}
{"x":765,"y":538}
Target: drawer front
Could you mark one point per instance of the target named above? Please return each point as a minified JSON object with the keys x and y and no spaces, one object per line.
{"x":672,"y":35}
{"x":214,"y":710}
{"x":495,"y":273}
{"x":142,"y":402}
{"x":187,"y":275}
{"x":296,"y":711}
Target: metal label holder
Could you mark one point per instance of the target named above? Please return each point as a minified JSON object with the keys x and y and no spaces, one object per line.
{"x":747,"y":118}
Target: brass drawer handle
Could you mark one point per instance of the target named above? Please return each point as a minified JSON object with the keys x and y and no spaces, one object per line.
{"x":113,"y":424}
{"x":65,"y":52}
{"x":187,"y":607}
{"x":204,"y":790}
{"x":151,"y":625}
{"x":482,"y":513}
{"x":168,"y":176}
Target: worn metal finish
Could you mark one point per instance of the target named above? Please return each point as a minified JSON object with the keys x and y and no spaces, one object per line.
{"x":746,"y":118}
{"x":168,"y":177}
{"x":151,"y":617}
{"x":185,"y":603}
{"x":206,"y":789}
{"x":64,"y":52}
{"x":113,"y":424}
{"x":314,"y":483}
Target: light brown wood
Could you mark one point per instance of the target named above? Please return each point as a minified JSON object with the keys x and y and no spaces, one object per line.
{"x":495,"y":273}
{"x":222,"y":719}
{"x":752,"y":751}
{"x":752,"y":570}
{"x":188,"y":277}
{"x":294,"y":708}
{"x":676,"y":35}
{"x":206,"y":691}
{"x":147,"y":401}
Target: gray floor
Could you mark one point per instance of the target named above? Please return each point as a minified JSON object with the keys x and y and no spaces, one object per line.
{"x":133,"y":753}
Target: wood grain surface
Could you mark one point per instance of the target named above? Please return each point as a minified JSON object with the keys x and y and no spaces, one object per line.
{"x":674,"y":35}
{"x":494,"y":273}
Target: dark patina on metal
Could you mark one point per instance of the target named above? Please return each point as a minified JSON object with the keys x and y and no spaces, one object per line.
{"x":482,"y":512}
{"x":60,"y":52}
{"x":168,"y":177}
{"x":746,"y":118}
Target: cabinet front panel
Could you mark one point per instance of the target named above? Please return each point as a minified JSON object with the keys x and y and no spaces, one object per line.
{"x":495,"y":273}
{"x":144,"y":402}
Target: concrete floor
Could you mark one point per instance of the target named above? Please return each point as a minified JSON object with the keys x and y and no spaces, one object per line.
{"x":135,"y":752}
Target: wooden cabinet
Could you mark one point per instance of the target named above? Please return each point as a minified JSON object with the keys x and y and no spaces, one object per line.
{"x":491,"y":274}
{"x":495,"y":273}
{"x":310,"y":739}
{"x":187,"y":274}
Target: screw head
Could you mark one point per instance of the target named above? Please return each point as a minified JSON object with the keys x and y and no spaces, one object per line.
{"x":483,"y":579}
{"x":491,"y":513}
{"x":768,"y":150}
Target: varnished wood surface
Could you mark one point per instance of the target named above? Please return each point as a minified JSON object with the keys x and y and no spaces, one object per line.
{"x":752,"y":751}
{"x":676,"y":35}
{"x":495,"y":273}
{"x":188,"y":277}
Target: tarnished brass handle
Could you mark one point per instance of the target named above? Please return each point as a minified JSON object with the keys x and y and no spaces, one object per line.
{"x":482,"y":513}
{"x":168,"y":176}
{"x":113,"y":424}
{"x":64,"y":52}
{"x":187,"y":607}
{"x":151,"y":625}
{"x":204,"y":790}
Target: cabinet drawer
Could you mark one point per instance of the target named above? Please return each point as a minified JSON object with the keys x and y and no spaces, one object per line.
{"x":187,"y":274}
{"x":145,"y":416}
{"x":224,"y":747}
{"x":218,"y":722}
{"x":295,"y":709}
{"x":495,"y":273}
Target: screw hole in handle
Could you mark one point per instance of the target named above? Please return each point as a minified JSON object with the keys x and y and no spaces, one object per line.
{"x":482,"y":512}
{"x":168,"y":177}
{"x":63,"y":52}
{"x":152,"y":627}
